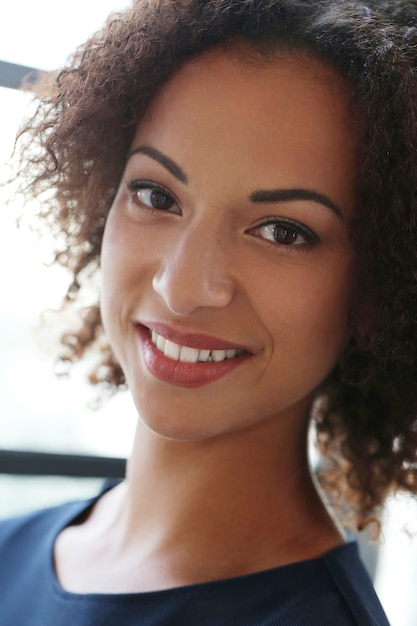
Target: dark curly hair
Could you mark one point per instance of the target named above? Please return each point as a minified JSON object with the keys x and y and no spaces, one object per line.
{"x":73,"y":153}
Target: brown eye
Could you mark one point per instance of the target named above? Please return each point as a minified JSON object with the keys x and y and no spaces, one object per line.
{"x":285,"y":232}
{"x":284,"y":235}
{"x":155,"y":198}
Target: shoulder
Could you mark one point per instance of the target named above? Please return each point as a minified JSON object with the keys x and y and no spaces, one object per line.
{"x":325,"y":591}
{"x":349,"y":576}
{"x":35,"y":531}
{"x":29,"y":592}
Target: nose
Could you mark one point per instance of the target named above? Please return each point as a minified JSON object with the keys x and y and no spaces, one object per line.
{"x":194,"y":272}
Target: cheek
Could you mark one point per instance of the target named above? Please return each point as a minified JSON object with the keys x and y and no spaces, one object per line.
{"x":328,"y":311}
{"x":121,"y":257}
{"x":308,"y":311}
{"x":127,"y":263}
{"x":111,"y":286}
{"x":116,"y":277}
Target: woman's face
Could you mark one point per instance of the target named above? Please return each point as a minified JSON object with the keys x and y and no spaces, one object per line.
{"x":227,"y":266}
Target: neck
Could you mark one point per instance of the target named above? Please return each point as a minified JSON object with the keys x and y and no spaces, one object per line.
{"x":192,"y":512}
{"x":250,"y":491}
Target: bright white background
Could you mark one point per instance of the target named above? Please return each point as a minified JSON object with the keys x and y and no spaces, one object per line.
{"x":40,"y":412}
{"x":41,"y":34}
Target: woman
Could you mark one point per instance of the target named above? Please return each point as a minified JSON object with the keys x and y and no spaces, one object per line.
{"x":244,"y":174}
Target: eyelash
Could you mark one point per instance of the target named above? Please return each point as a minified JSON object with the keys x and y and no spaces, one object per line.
{"x":287,"y":225}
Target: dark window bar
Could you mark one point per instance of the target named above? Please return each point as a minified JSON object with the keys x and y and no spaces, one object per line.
{"x":12,"y":75}
{"x":52,"y":464}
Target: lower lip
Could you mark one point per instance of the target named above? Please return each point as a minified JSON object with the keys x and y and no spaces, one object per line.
{"x":184,"y":374}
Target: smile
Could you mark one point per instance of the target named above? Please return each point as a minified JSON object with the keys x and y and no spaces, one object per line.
{"x":185,"y":354}
{"x":204,"y":360}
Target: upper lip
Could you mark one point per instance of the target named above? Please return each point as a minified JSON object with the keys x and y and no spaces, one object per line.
{"x":200,"y":341}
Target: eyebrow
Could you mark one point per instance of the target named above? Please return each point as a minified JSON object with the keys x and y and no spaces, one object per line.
{"x":287,"y":195}
{"x":164,"y":160}
{"x":259,"y":195}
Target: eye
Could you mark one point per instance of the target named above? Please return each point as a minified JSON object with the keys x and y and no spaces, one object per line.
{"x":153,"y":196}
{"x":285,"y":233}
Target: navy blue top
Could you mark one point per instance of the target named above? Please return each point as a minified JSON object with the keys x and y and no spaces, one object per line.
{"x":333,"y":590}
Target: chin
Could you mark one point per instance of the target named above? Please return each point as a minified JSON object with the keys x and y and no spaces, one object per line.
{"x":179,"y":432}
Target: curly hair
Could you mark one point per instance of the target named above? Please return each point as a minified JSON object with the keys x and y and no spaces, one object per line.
{"x":73,"y":153}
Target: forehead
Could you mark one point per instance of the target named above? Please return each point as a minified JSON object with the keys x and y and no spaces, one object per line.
{"x":284,"y":117}
{"x":239,"y":69}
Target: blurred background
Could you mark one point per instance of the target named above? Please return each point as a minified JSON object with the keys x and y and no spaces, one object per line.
{"x":43,"y":413}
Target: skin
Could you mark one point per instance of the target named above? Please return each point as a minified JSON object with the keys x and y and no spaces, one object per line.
{"x":212,"y":466}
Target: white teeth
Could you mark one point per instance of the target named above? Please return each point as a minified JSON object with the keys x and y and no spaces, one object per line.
{"x":191,"y":355}
{"x":160,"y":343}
{"x":203,"y":355}
{"x":172,"y":350}
{"x":218,"y":355}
